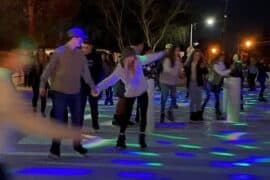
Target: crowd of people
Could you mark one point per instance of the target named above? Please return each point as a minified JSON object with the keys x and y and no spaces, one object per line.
{"x":76,"y":73}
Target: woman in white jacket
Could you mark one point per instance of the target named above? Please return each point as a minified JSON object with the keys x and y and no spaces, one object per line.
{"x":130,"y":71}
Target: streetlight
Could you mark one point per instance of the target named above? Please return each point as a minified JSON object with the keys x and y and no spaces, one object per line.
{"x":248,"y":43}
{"x":210,"y":21}
{"x":214,"y":50}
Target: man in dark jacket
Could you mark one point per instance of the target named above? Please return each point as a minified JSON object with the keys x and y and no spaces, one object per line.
{"x":96,"y":70}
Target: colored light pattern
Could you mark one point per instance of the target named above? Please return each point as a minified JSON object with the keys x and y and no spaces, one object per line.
{"x":139,"y":175}
{"x":222,"y":154}
{"x":185,"y":154}
{"x":226,"y":164}
{"x":229,"y":135}
{"x":170,"y":125}
{"x":190,"y":146}
{"x":240,"y":141}
{"x":54,"y":171}
{"x":141,"y":153}
{"x":169,"y":136}
{"x":133,"y":145}
{"x":136,"y":163}
{"x":240,"y":124}
{"x":164,"y":142}
{"x":98,"y":142}
{"x":242,"y":177}
{"x":247,"y":146}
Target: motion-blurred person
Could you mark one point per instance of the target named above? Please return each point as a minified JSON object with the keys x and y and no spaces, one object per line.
{"x":196,"y":69}
{"x":169,"y":76}
{"x":41,"y":61}
{"x":65,"y":68}
{"x":261,"y":78}
{"x":23,"y":119}
{"x":94,"y":63}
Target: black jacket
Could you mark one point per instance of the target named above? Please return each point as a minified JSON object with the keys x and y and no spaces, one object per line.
{"x":201,"y":72}
{"x":262,"y":74}
{"x":95,"y":67}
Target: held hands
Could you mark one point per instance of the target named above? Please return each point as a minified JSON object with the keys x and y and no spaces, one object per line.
{"x":42,"y":92}
{"x":95,"y":92}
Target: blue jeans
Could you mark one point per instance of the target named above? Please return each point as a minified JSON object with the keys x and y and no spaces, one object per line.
{"x":165,"y":90}
{"x":61,"y":103}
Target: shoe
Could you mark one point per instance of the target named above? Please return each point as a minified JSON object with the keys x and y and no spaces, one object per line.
{"x":219,"y":117}
{"x":175,"y":106}
{"x":142,"y":141}
{"x":54,"y":156}
{"x":170,"y":116}
{"x":242,"y":107}
{"x":95,"y":125}
{"x":131,"y":123}
{"x":115,"y":121}
{"x":81,"y":150}
{"x":162,"y":117}
{"x":193,"y":116}
{"x":121,"y":142}
{"x":262,"y":99}
{"x":111,"y":103}
{"x":199,"y":115}
{"x":54,"y":152}
{"x":43,"y":114}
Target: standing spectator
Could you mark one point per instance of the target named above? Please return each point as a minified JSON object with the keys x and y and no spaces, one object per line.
{"x":196,"y":69}
{"x":66,"y":67}
{"x":108,"y":66}
{"x":169,"y":76}
{"x":238,"y":72}
{"x":262,"y":76}
{"x":36,"y":71}
{"x":216,"y":74}
{"x":252,"y":73}
{"x":95,"y":67}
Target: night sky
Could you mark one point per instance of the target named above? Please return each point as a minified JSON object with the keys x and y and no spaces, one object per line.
{"x":246,"y":18}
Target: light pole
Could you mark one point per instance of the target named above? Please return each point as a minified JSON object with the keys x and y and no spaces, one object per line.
{"x":210,"y":21}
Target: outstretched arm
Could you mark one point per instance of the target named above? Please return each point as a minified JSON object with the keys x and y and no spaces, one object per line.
{"x":110,"y":80}
{"x":147,"y":59}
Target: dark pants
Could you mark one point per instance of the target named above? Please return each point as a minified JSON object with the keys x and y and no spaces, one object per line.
{"x":35,"y":99}
{"x":126,"y":114}
{"x":167,"y":90}
{"x":61,"y":103}
{"x":93,"y":101}
{"x":3,"y":173}
{"x":109,"y":96}
{"x":251,"y":81}
{"x":262,"y":84}
{"x":52,"y":113}
{"x":216,"y":89}
{"x":207,"y":90}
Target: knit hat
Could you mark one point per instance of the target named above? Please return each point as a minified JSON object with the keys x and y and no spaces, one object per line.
{"x":77,"y":32}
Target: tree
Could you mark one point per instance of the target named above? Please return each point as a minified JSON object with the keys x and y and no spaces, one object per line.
{"x":155,"y":18}
{"x":113,"y":11}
